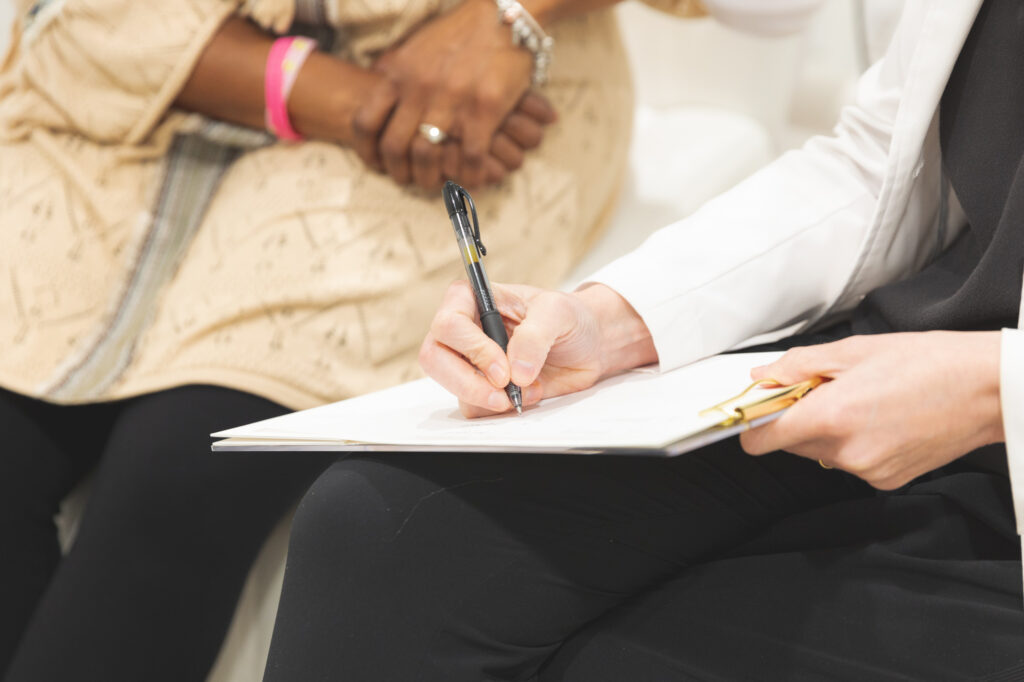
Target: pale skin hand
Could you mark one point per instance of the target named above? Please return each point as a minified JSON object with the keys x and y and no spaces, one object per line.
{"x":558,"y":343}
{"x":897,"y":405}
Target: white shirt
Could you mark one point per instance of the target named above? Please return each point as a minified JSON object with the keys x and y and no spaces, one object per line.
{"x":808,"y":236}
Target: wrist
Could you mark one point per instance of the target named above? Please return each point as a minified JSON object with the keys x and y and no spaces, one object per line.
{"x":625,"y":341}
{"x":326,"y":95}
{"x":989,"y":356}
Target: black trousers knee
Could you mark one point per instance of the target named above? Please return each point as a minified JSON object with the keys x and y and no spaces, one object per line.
{"x":477,"y":567}
{"x":170,"y":529}
{"x":710,"y":566}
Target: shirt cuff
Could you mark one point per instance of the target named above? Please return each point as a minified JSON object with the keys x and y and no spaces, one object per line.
{"x":1011,"y":394}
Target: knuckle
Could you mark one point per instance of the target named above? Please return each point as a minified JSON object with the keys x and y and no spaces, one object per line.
{"x":856,"y":461}
{"x":793,"y":357}
{"x":363,"y":124}
{"x":489,"y":96}
{"x":445,"y":324}
{"x":456,"y":89}
{"x":427,"y":353}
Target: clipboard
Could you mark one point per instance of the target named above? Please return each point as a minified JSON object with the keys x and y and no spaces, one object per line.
{"x":637,"y":413}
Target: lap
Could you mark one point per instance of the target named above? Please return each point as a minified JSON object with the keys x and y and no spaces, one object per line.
{"x":924,"y":584}
{"x":507,"y":554}
{"x":157,"y":470}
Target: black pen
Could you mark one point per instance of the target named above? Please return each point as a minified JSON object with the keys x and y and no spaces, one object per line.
{"x":472,"y":250}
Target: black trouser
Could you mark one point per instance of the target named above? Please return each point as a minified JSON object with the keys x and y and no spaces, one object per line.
{"x":710,"y":566}
{"x":713,"y":565}
{"x":164,"y":545}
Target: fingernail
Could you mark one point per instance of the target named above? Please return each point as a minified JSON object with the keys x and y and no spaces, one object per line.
{"x":498,"y":401}
{"x":495,"y":373}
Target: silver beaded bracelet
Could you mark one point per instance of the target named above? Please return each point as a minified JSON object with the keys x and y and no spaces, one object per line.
{"x":526,"y":32}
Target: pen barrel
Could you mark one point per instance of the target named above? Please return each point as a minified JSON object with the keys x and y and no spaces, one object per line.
{"x":494,"y":327}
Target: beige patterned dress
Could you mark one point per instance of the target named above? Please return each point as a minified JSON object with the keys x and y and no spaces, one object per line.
{"x":299,"y":275}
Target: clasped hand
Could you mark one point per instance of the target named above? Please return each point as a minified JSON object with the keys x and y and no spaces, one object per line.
{"x":461,"y":73}
{"x":896,"y":406}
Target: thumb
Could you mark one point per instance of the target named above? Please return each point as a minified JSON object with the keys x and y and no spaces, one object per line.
{"x":549,"y":317}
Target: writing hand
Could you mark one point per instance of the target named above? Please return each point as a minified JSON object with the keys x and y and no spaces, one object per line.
{"x":897,"y":405}
{"x":558,"y":343}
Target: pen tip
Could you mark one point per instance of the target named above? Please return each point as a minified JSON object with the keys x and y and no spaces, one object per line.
{"x":519,"y":409}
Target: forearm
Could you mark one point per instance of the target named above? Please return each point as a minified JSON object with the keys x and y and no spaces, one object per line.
{"x":227,"y":84}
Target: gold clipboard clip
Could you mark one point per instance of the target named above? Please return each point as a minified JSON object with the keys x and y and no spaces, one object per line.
{"x":765,"y":405}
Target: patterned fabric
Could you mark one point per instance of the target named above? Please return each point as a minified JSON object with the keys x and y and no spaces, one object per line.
{"x":144,"y":250}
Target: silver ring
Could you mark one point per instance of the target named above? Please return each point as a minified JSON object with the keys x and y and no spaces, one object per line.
{"x":432,"y":134}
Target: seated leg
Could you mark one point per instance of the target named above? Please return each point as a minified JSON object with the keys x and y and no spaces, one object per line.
{"x":476,"y":567}
{"x":921,"y":585}
{"x":165,"y":543}
{"x":39,"y":464}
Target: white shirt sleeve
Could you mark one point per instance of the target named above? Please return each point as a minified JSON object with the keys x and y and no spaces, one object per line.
{"x":777,"y":249}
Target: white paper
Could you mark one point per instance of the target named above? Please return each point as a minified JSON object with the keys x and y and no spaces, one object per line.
{"x":637,"y":409}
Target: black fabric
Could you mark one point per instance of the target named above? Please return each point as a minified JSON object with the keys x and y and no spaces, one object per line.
{"x":975,"y":284}
{"x":710,"y":566}
{"x":164,"y":545}
{"x":923,"y":585}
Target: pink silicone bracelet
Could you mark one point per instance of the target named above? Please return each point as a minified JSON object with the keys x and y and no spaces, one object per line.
{"x":283,"y":63}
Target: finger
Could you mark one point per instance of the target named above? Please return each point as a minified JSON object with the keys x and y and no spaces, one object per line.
{"x":548,"y":317}
{"x":426,"y":156}
{"x":369,"y":120}
{"x":524,"y":131}
{"x":806,"y":424}
{"x":805,"y":362}
{"x":450,"y":160}
{"x":476,"y":143}
{"x":455,"y":325}
{"x":458,"y":377}
{"x":537,"y":107}
{"x":397,"y":137}
{"x":506,"y":151}
{"x":494,"y":171}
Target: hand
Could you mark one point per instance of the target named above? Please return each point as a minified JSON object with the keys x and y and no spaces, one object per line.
{"x":521,"y":131}
{"x":897,"y":405}
{"x":460,"y":72}
{"x":558,"y":343}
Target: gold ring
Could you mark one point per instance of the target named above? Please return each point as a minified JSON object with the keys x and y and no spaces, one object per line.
{"x":432,"y":134}
{"x":823,"y":465}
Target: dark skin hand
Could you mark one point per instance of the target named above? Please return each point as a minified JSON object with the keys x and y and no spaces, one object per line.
{"x":327,"y":98}
{"x":461,"y":72}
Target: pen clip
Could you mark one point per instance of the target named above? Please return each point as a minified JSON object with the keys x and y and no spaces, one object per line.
{"x":476,"y":223}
